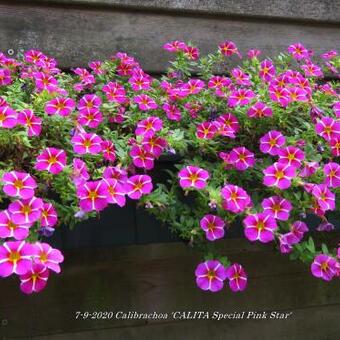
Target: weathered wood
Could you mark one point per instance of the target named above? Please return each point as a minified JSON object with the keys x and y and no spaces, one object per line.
{"x":75,"y":35}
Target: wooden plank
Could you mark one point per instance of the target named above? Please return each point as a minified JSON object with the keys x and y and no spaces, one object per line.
{"x":75,"y":35}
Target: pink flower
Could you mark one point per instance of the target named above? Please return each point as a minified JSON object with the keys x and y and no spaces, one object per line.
{"x":79,"y":173}
{"x":206,"y":130}
{"x":174,"y":46}
{"x":228,"y":125}
{"x":141,"y":158}
{"x":8,"y":117}
{"x":86,"y":78}
{"x":115,"y":92}
{"x":328,"y":128}
{"x":49,"y":217}
{"x":241,"y":158}
{"x":259,"y":110}
{"x":297,"y":231}
{"x":309,"y":169}
{"x":291,"y":156}
{"x":91,"y":118}
{"x":332,"y":173}
{"x":138,"y":185}
{"x":26,"y":211}
{"x":84,"y":143}
{"x":5,"y":77}
{"x":237,"y":277}
{"x":213,"y":227}
{"x":154,"y":145}
{"x":240,"y":77}
{"x":298,"y":51}
{"x":60,"y":106}
{"x":324,"y":197}
{"x":27,"y":118}
{"x":19,"y":184}
{"x":148,"y":127}
{"x":116,"y":192}
{"x":253,"y":53}
{"x":93,"y":195}
{"x":48,"y":256}
{"x":278,"y":175}
{"x":271,"y":142}
{"x":329,"y":54}
{"x":172,"y":112}
{"x":117,"y":173}
{"x":324,"y":267}
{"x":267,"y":70}
{"x":140,"y":81}
{"x":51,"y":159}
{"x":260,"y":227}
{"x":235,"y":198}
{"x":297,"y":94}
{"x":240,"y":97}
{"x":34,"y":56}
{"x":108,"y":150}
{"x":35,"y":279}
{"x":89,"y":103}
{"x":277,"y":207}
{"x":210,"y":275}
{"x":45,"y":81}
{"x":193,"y":86}
{"x":193,"y":176}
{"x":145,"y":103}
{"x":312,"y":70}
{"x":216,"y":82}
{"x":191,"y":52}
{"x":16,"y":257}
{"x":334,"y":144}
{"x":228,"y":48}
{"x":279,"y":95}
{"x":10,"y":229}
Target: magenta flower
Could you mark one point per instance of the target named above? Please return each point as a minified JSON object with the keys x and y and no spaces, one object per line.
{"x":297,"y":231}
{"x":140,"y":81}
{"x":298,"y":51}
{"x":116,"y":172}
{"x":115,"y":92}
{"x":240,"y":77}
{"x":89,"y":102}
{"x":259,"y":110}
{"x":141,"y":158}
{"x":241,"y":158}
{"x":193,"y":176}
{"x":309,"y":169}
{"x":260,"y":227}
{"x":96,"y":67}
{"x":267,"y":70}
{"x":235,"y":198}
{"x":116,"y":192}
{"x":297,"y":94}
{"x":271,"y":142}
{"x":35,"y":279}
{"x":278,"y":175}
{"x":44,"y":81}
{"x":312,"y":70}
{"x":213,"y":226}
{"x":324,"y":197}
{"x":60,"y":106}
{"x":145,"y":103}
{"x":277,"y":207}
{"x":34,"y":56}
{"x":206,"y":130}
{"x":148,"y":127}
{"x":91,"y":118}
{"x":253,"y":53}
{"x":26,"y":211}
{"x":19,"y":184}
{"x":237,"y":277}
{"x":8,"y":117}
{"x":328,"y":128}
{"x":108,"y":150}
{"x":154,"y":145}
{"x":210,"y":275}
{"x":33,"y":123}
{"x":10,"y":229}
{"x":228,"y":48}
{"x":291,"y":156}
{"x":16,"y":257}
{"x":279,"y":95}
{"x":191,"y":52}
{"x":5,"y":77}
{"x":193,"y":86}
{"x":138,"y":185}
{"x":49,"y":217}
{"x":172,"y":111}
{"x":51,"y":159}
{"x":324,"y":267}
{"x":240,"y":97}
{"x":335,"y":146}
{"x":48,"y":256}
{"x":79,"y":173}
{"x":228,"y":125}
{"x":332,"y":173}
{"x":84,"y":143}
{"x":93,"y":195}
{"x":174,"y":46}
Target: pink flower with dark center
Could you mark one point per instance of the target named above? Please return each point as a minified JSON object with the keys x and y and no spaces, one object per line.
{"x":138,"y":185}
{"x":324,"y":267}
{"x":96,"y":67}
{"x":228,"y":125}
{"x":48,"y":256}
{"x":116,"y":192}
{"x":291,"y":156}
{"x":26,"y":211}
{"x":45,"y":81}
{"x":260,"y":227}
{"x":108,"y":150}
{"x":79,"y":171}
{"x":241,"y":158}
{"x":210,"y":275}
{"x":154,"y":145}
{"x":10,"y":229}
{"x":328,"y":128}
{"x":84,"y":143}
{"x":35,"y":279}
{"x":8,"y":117}
{"x":332,"y":173}
{"x":213,"y":226}
{"x":145,"y":103}
{"x":297,"y":231}
{"x":278,"y":175}
{"x":52,"y":160}
{"x":193,"y":86}
{"x":240,"y":97}
{"x":16,"y":257}
{"x":194,"y":177}
{"x":235,"y":198}
{"x":240,"y":77}
{"x":140,"y":81}
{"x":218,"y":82}
{"x":60,"y":106}
{"x":334,"y":144}
{"x":297,"y":94}
{"x":172,"y":111}
{"x":324,"y":197}
{"x":277,"y":207}
{"x":228,"y":48}
{"x":20,"y":184}
{"x":191,"y":52}
{"x":34,"y":56}
{"x":309,"y":169}
{"x":237,"y":277}
{"x":279,"y":95}
{"x":115,"y":92}
{"x":259,"y":110}
{"x":298,"y":51}
{"x":174,"y":46}
{"x":116,"y":172}
{"x":5,"y":77}
{"x":148,"y":127}
{"x":27,"y":118}
{"x":49,"y":217}
{"x":141,"y":158}
{"x":312,"y":70}
{"x":267,"y":70}
{"x":91,"y":118}
{"x":271,"y":142}
{"x":206,"y":130}
{"x":92,"y":195}
{"x":88,"y":103}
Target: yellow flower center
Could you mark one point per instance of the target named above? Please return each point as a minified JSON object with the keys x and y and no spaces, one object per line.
{"x":26,"y":209}
{"x":211,"y":274}
{"x":14,"y":256}
{"x":19,"y":184}
{"x":93,"y":195}
{"x":43,"y":256}
{"x":279,"y":174}
{"x":52,"y":160}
